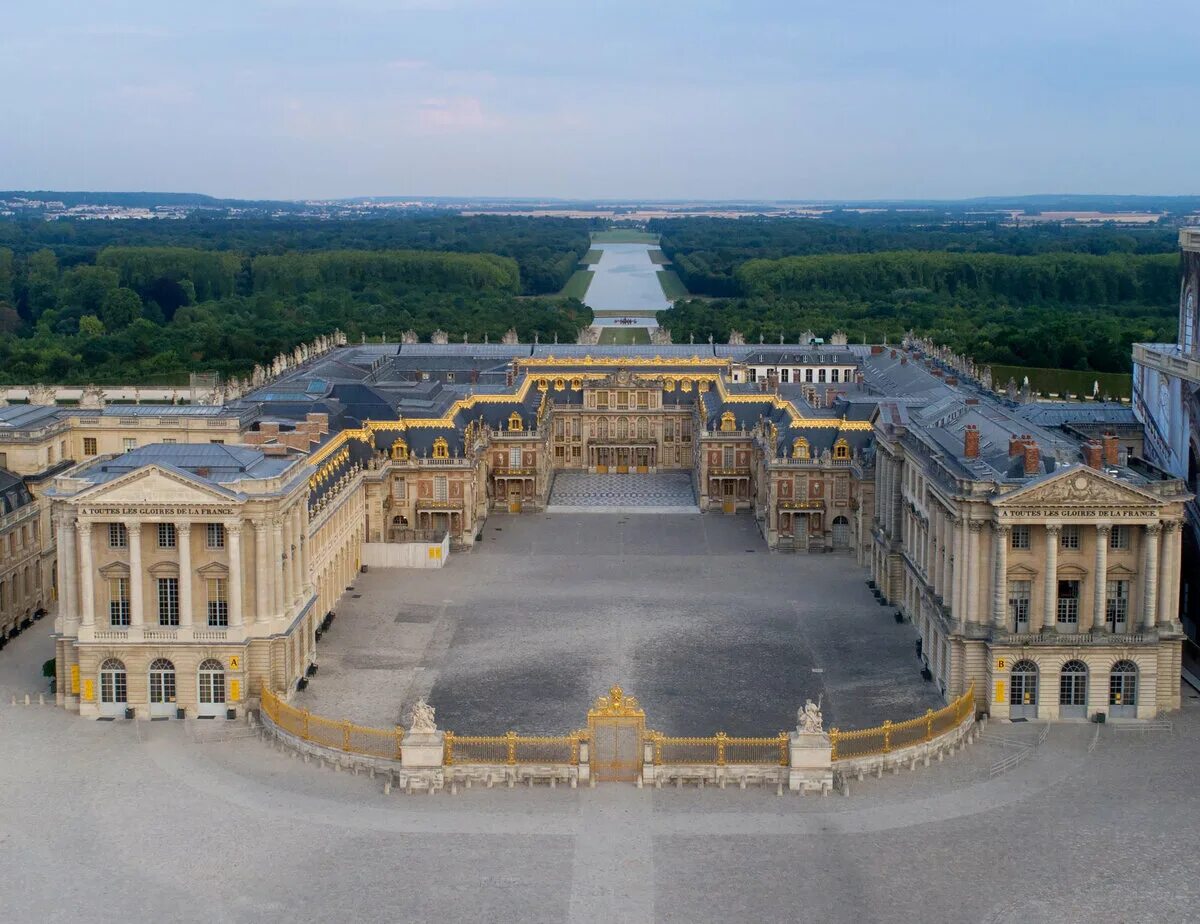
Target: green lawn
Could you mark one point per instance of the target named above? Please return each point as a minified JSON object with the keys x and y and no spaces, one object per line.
{"x":577,"y":285}
{"x":624,"y":335}
{"x":624,"y":236}
{"x":672,"y":285}
{"x":1055,"y":381}
{"x":592,"y":257}
{"x":658,"y":258}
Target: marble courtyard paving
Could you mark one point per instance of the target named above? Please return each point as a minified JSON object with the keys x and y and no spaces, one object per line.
{"x":664,"y":492}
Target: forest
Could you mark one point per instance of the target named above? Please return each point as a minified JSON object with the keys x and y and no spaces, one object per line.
{"x":1058,"y":296}
{"x":111,"y":302}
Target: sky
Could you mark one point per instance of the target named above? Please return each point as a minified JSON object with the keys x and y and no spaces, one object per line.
{"x":842,"y":99}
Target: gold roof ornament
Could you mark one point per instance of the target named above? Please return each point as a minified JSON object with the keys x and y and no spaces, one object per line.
{"x":616,"y":704}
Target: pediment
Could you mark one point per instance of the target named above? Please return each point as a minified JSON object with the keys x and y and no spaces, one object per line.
{"x":1079,"y":487}
{"x":156,"y":485}
{"x":115,"y":569}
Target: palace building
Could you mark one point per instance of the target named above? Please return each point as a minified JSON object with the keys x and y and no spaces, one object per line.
{"x":192,"y":554}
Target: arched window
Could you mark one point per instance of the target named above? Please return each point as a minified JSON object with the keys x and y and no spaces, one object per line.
{"x":441,"y":449}
{"x":112,"y":686}
{"x":643,"y":428}
{"x":841,"y":449}
{"x":800,"y":448}
{"x":841,"y":533}
{"x":728,"y":422}
{"x":622,"y":428}
{"x":162,"y":687}
{"x":400,"y":450}
{"x":602,"y":428}
{"x":1122,"y":690}
{"x":1023,"y":695}
{"x":1189,"y":321}
{"x":514,"y":422}
{"x":1072,"y":690}
{"x":211,"y":678}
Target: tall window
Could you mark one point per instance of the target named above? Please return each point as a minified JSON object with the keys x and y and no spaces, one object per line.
{"x":112,"y":681}
{"x":218,"y":603}
{"x":1122,"y":689}
{"x":808,"y":376}
{"x":1118,"y":538}
{"x":784,"y":374}
{"x":166,"y":535}
{"x":1018,"y":605}
{"x":118,"y":601}
{"x":623,"y":400}
{"x":820,"y":375}
{"x":1116,"y":605}
{"x":118,"y":537}
{"x":212,"y":682}
{"x":89,"y":445}
{"x":514,"y":457}
{"x":1068,"y":602}
{"x":643,"y":400}
{"x":1069,"y":537}
{"x":214,"y":534}
{"x":643,"y":428}
{"x":162,"y":681}
{"x":602,"y":400}
{"x":728,"y":457}
{"x":834,"y":375}
{"x":1020,"y":537}
{"x":440,"y":488}
{"x":168,"y":601}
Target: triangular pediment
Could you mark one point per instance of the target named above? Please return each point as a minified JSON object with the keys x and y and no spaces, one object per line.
{"x":1079,"y":486}
{"x":154,"y":484}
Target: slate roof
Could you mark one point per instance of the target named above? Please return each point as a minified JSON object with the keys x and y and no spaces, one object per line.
{"x":212,"y":462}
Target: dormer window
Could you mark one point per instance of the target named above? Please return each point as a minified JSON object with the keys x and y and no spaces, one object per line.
{"x":441,"y":449}
{"x":841,"y":450}
{"x":400,"y":451}
{"x":514,"y":423}
{"x":800,"y":448}
{"x":728,"y":422}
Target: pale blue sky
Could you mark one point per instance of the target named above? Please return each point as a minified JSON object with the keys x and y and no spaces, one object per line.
{"x":658,"y":98}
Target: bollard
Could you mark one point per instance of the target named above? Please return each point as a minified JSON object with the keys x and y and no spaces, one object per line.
{"x":779,"y":789}
{"x":926,"y":758}
{"x":742,"y":783}
{"x":41,"y":699}
{"x":453,"y":788}
{"x":26,"y":699}
{"x":387,"y":785}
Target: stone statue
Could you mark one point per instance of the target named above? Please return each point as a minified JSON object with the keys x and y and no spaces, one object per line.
{"x":808,"y":719}
{"x":420,"y":718}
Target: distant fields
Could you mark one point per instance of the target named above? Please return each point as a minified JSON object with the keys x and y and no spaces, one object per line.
{"x":672,"y":285}
{"x":624,"y":335}
{"x":1056,"y":381}
{"x":577,"y":285}
{"x":658,"y":258}
{"x":624,"y":236}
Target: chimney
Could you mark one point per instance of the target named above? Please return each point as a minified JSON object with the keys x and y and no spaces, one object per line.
{"x":1111,"y":449}
{"x":322,"y":421}
{"x":1016,"y":445}
{"x":269,"y":428}
{"x":876,"y":350}
{"x":893,"y":354}
{"x":1032,"y":458}
{"x":1093,"y":454}
{"x":904,"y":360}
{"x":971,"y":442}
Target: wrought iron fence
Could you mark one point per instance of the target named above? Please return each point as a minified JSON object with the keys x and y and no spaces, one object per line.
{"x":512,"y":748}
{"x":341,"y":736}
{"x":720,"y":749}
{"x":891,"y":736}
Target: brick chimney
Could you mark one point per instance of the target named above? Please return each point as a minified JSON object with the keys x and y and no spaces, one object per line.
{"x":1093,"y":454}
{"x":876,"y":349}
{"x":971,"y":442}
{"x":1111,"y":449}
{"x":1016,"y":446}
{"x":322,"y":421}
{"x":1032,"y":458}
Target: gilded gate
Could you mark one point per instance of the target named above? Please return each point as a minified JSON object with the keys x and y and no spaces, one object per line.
{"x":616,"y":724}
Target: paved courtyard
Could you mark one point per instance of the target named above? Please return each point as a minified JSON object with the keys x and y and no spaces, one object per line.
{"x":667,"y":492}
{"x":691,"y":614}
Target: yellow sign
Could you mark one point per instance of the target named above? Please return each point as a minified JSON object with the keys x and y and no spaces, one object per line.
{"x":998,"y":695}
{"x":75,"y":679}
{"x":235,"y":663}
{"x":235,"y":690}
{"x":435,"y":551}
{"x":1001,"y":664}
{"x":89,"y":690}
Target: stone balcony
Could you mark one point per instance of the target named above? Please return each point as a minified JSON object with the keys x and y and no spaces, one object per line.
{"x":1167,"y":358}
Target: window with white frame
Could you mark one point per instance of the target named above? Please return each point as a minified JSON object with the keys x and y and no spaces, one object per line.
{"x":166,"y":536}
{"x":168,"y":601}
{"x":214,"y":535}
{"x":808,"y":375}
{"x":118,"y":601}
{"x":218,"y":603}
{"x":784,"y":375}
{"x":835,"y":375}
{"x":441,"y":488}
{"x":1068,"y":602}
{"x":1020,"y":537}
{"x":1118,"y":538}
{"x":130,"y":442}
{"x":118,"y":537}
{"x":1116,"y":604}
{"x":514,"y":457}
{"x":1018,"y":604}
{"x":1069,"y":537}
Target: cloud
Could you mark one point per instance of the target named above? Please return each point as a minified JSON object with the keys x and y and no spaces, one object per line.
{"x":455,"y":114}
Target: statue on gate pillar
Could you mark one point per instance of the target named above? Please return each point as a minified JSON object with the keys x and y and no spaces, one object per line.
{"x":420,"y":718}
{"x":808,"y":719}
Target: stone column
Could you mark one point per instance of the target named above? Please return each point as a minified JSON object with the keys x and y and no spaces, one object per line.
{"x":233,"y":540}
{"x":137,"y":607}
{"x":68,"y":589}
{"x":897,"y":491}
{"x":305,"y":564}
{"x":87,"y":593}
{"x":1168,"y":580}
{"x":297,"y":542}
{"x":262,"y":587}
{"x":947,"y":589}
{"x":1050,"y":578}
{"x":183,"y":538}
{"x":279,"y":604}
{"x":1000,"y":540}
{"x":975,"y":557}
{"x":1100,"y":584}
{"x":1150,"y":575}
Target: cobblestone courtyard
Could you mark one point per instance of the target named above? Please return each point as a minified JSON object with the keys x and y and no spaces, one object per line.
{"x":691,"y":614}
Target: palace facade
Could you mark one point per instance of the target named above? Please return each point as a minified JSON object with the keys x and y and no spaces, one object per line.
{"x":193,"y":554}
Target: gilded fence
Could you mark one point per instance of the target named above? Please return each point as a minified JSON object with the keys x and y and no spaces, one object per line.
{"x":892,"y":736}
{"x":720,"y":749}
{"x":341,"y":736}
{"x":512,"y":748}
